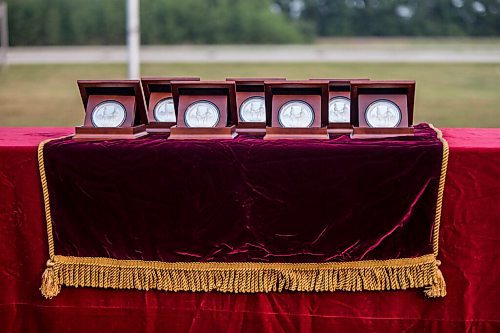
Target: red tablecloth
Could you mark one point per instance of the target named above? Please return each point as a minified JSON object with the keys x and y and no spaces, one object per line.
{"x":469,"y":245}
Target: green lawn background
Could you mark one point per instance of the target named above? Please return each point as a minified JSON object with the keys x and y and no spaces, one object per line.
{"x":447,"y":95}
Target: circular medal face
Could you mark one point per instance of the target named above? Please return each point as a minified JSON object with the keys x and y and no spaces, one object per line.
{"x":202,"y":114}
{"x":296,"y":114}
{"x":339,"y":110}
{"x":253,"y":109}
{"x":108,"y":114}
{"x":164,"y":111}
{"x":383,"y":113}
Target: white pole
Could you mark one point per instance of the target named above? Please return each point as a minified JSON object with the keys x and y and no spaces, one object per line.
{"x":133,"y":39}
{"x":4,"y":33}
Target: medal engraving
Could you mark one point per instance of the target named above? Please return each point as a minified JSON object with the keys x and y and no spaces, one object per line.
{"x":164,"y":111}
{"x":108,"y":114}
{"x":202,"y":114}
{"x":339,"y":110}
{"x":296,"y":114}
{"x":383,"y":113}
{"x":253,"y":110}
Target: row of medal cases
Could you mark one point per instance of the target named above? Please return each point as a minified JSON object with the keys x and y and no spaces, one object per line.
{"x":383,"y":106}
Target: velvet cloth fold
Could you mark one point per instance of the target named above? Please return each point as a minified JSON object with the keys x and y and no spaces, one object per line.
{"x":245,"y":199}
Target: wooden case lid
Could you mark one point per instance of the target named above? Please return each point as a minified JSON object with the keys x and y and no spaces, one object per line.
{"x":297,"y":87}
{"x":161,"y":84}
{"x":201,"y":88}
{"x":119,"y":88}
{"x":383,"y":87}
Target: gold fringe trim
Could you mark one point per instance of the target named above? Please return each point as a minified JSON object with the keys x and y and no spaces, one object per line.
{"x":239,"y":277}
{"x":244,"y":277}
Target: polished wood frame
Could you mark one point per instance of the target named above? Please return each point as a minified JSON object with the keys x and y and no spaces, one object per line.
{"x":127,"y":92}
{"x":315,"y":93}
{"x":155,"y":90}
{"x":339,"y":88}
{"x":402,"y":93}
{"x":247,"y":87}
{"x":221,"y":93}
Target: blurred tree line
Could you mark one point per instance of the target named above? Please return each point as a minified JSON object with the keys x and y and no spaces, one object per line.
{"x":102,"y":22}
{"x":397,"y":17}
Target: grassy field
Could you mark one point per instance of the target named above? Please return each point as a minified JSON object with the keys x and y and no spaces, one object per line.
{"x":448,"y":95}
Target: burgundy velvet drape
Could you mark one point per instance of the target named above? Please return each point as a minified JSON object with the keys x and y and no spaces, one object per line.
{"x":468,"y":249}
{"x":245,"y":200}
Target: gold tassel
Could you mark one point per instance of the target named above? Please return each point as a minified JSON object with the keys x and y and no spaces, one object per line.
{"x":438,"y":288}
{"x":50,"y":284}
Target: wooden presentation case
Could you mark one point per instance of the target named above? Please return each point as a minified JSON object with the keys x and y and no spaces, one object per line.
{"x":247,"y":88}
{"x":314,"y":93}
{"x":157,"y":89}
{"x":126,"y":92}
{"x":219,"y":93}
{"x":339,"y":88}
{"x":364,"y":93}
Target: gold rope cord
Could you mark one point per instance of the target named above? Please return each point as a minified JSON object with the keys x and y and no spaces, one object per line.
{"x":243,"y":277}
{"x":442,"y":180}
{"x":45,"y":192}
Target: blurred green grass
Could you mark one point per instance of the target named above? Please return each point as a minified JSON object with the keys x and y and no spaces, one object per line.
{"x":448,"y":95}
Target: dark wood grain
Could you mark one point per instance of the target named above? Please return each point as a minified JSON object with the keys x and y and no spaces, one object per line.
{"x":199,"y":89}
{"x":127,"y":92}
{"x":202,"y":133}
{"x":155,"y":90}
{"x":101,"y":133}
{"x":280,"y":88}
{"x":276,"y":133}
